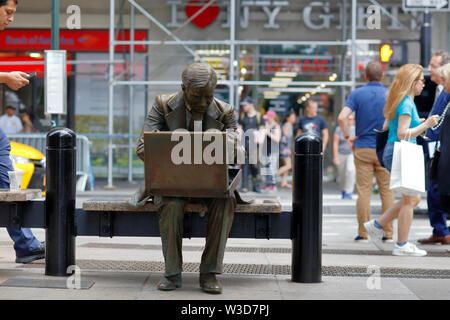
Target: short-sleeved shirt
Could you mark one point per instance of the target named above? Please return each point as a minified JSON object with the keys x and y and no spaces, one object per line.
{"x":406,"y":107}
{"x":10,"y":125}
{"x":438,"y":108}
{"x":367,"y":103}
{"x":315,"y":124}
{"x":248,"y":123}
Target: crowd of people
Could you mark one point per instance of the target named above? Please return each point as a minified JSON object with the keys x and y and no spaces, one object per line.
{"x":267,"y":133}
{"x":395,"y":111}
{"x":368,"y":109}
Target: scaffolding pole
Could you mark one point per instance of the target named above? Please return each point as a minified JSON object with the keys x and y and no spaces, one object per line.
{"x":232,"y":51}
{"x":111,"y":94}
{"x":353,"y":66}
{"x":131,"y":103}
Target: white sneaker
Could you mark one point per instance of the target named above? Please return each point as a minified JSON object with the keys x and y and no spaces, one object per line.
{"x":375,"y":235}
{"x":408,"y":249}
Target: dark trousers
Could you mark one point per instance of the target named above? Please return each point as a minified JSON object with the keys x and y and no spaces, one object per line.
{"x":436,"y":213}
{"x":220,"y":219}
{"x":247,"y":170}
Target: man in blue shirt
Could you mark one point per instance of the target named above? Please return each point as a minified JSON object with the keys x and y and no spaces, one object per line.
{"x":436,"y":214}
{"x":368,"y":103}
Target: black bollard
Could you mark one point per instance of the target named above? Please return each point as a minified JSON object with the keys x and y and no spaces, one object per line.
{"x":306,"y":220}
{"x":60,"y":201}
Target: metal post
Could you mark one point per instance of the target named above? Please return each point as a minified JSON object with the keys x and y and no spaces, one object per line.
{"x":55,"y":40}
{"x":425,"y":39}
{"x":60,"y":201}
{"x":55,"y":24}
{"x":306,"y":224}
{"x":353,"y":67}
{"x":130,"y":108}
{"x":232,"y":50}
{"x":111,"y":93}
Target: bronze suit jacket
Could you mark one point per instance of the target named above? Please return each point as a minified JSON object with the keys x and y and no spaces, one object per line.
{"x":169,"y":113}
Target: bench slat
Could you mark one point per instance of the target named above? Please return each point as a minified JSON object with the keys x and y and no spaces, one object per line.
{"x":111,"y":205}
{"x":22,"y":195}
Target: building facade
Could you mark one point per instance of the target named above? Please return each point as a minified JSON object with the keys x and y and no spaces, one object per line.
{"x":280,"y":52}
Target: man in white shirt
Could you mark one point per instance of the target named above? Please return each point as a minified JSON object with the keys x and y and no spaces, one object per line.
{"x":9,"y":122}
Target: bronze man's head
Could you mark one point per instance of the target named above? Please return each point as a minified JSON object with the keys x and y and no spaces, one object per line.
{"x":198,"y":83}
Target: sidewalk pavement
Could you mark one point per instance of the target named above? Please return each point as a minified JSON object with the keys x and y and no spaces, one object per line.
{"x":126,"y":268}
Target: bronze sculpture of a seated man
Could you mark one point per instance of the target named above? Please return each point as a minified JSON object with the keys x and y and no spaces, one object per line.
{"x":196,"y":109}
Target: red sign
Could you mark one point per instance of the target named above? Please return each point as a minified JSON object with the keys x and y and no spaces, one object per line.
{"x":302,"y":65}
{"x":70,"y":40}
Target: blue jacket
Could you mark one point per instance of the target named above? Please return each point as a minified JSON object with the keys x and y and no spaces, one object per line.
{"x":438,"y":108}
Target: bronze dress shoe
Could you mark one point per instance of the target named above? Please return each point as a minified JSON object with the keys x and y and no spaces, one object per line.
{"x":169,"y":283}
{"x":435,"y":239}
{"x":209,"y":283}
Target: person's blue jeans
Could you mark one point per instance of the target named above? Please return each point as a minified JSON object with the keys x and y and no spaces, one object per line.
{"x":436,"y":214}
{"x":388,"y":155}
{"x":24,"y":240}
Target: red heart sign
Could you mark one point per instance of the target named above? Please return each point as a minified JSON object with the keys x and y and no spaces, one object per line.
{"x":205,"y":18}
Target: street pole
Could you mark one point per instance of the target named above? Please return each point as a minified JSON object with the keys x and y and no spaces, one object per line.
{"x":425,"y":39}
{"x":353,"y":67}
{"x":55,"y":24}
{"x":232,"y":51}
{"x":131,"y":100}
{"x":111,"y":94}
{"x":55,"y":39}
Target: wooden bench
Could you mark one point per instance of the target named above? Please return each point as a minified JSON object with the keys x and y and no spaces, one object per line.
{"x":116,"y":217}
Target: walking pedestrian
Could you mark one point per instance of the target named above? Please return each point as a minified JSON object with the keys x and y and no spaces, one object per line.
{"x":27,"y":247}
{"x":343,"y":159}
{"x":436,"y":213}
{"x":403,"y":121}
{"x":270,"y":138}
{"x":250,"y":121}
{"x":367,"y":103}
{"x":444,"y":159}
{"x":287,"y":136}
{"x":9,"y":122}
{"x":313,"y":122}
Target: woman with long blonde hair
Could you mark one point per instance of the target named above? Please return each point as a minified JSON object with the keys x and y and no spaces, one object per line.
{"x":404,"y":123}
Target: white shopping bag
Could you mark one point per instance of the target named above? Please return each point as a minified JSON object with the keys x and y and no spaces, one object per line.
{"x":408,"y":169}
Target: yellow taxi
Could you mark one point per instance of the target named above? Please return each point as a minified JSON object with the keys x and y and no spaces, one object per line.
{"x":32,"y":162}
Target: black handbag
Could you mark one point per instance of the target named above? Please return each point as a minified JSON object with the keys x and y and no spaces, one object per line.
{"x":433,"y":173}
{"x":382,"y":138}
